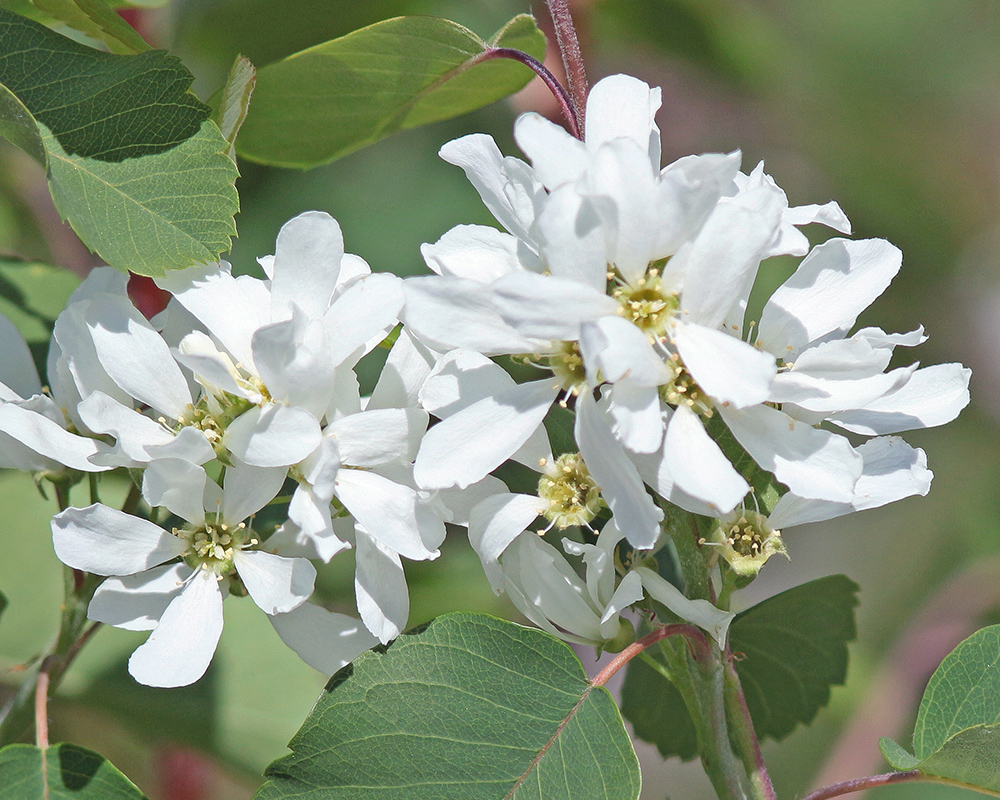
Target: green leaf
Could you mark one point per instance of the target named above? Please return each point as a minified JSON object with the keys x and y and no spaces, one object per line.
{"x":145,"y":180}
{"x":70,"y":773}
{"x":235,"y":101}
{"x":329,"y":100}
{"x":98,"y":105}
{"x":963,"y":692}
{"x":957,"y":733}
{"x":96,"y":20}
{"x":897,"y":755}
{"x":795,"y":648}
{"x":971,"y":756}
{"x":657,"y":711}
{"x":791,"y":648}
{"x":466,"y":706}
{"x":151,"y":214}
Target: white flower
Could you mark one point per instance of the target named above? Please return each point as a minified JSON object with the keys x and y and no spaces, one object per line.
{"x":621,"y":274}
{"x":547,"y":590}
{"x":181,"y":600}
{"x":280,"y":352}
{"x":34,"y":433}
{"x":357,"y":488}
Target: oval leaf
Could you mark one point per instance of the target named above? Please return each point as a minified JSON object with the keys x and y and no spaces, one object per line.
{"x":793,"y":648}
{"x":467,"y":706}
{"x":963,"y":692}
{"x":151,"y":214}
{"x":329,"y":100}
{"x":69,"y":773}
{"x":147,"y":182}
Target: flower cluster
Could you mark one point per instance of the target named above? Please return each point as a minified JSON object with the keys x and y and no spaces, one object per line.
{"x":622,"y":286}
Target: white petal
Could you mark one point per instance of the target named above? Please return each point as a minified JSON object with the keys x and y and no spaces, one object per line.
{"x":276,"y":584}
{"x":247,"y":489}
{"x":629,"y":591}
{"x":699,"y":612}
{"x":813,"y":463}
{"x":231,"y":308}
{"x":104,"y":541}
{"x":621,"y":171}
{"x":933,"y":396}
{"x":213,"y":368}
{"x":180,"y":649}
{"x":725,"y":255}
{"x":294,"y":360}
{"x":134,"y":432}
{"x":475,"y":252}
{"x":621,"y":106}
{"x":321,"y":542}
{"x":698,"y":465}
{"x":377,"y":437}
{"x":136,"y":602}
{"x":325,"y":640}
{"x":635,"y":514}
{"x":386,"y":509}
{"x":43,"y":436}
{"x":557,"y":156}
{"x":72,"y":335}
{"x":893,"y":470}
{"x":504,"y":184}
{"x":380,"y":586}
{"x":178,"y":486}
{"x":572,"y":238}
{"x":656,"y":473}
{"x":446,"y":313}
{"x":455,"y":505}
{"x":547,"y":307}
{"x":273,"y":436}
{"x":136,"y":357}
{"x":688,"y":191}
{"x":728,"y":370}
{"x":832,"y":285}
{"x":494,"y":523}
{"x":306,"y":264}
{"x":638,"y":415}
{"x":368,"y":309}
{"x":407,"y":367}
{"x":621,"y":352}
{"x":829,"y":214}
{"x":17,"y":369}
{"x":467,"y":446}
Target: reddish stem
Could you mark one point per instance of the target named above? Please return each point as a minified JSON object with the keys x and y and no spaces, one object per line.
{"x":569,"y":49}
{"x":565,"y":102}
{"x":695,"y":637}
{"x":861,"y":784}
{"x":42,"y":709}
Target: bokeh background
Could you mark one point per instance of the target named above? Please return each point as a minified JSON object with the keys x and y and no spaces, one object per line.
{"x":891,"y":108}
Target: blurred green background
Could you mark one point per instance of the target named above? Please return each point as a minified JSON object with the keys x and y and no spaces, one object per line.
{"x":891,"y":108}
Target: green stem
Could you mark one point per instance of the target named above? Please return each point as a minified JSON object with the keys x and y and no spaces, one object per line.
{"x":700,"y":678}
{"x":743,"y":735}
{"x":683,"y":529}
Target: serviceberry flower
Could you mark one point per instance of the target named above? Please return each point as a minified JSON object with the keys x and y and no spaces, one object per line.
{"x":173,"y":582}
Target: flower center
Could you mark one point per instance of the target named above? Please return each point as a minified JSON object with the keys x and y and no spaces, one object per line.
{"x":211,"y":546}
{"x":573,"y":496}
{"x":566,"y":363}
{"x":211,"y":415}
{"x":681,"y":389}
{"x":648,"y":304}
{"x":747,"y":541}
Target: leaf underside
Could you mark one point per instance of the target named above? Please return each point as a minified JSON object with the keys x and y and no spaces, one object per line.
{"x":467,"y":706}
